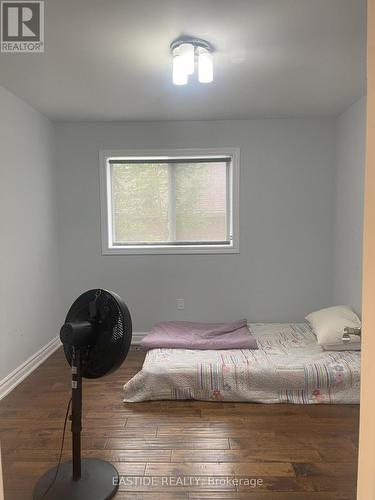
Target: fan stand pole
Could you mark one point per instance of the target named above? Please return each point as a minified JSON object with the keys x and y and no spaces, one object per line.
{"x":76,"y":413}
{"x":87,"y":479}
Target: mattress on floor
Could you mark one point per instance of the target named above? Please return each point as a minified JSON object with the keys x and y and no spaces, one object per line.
{"x":288,"y":367}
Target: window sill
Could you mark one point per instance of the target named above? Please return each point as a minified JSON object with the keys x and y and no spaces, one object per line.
{"x":170,"y":249}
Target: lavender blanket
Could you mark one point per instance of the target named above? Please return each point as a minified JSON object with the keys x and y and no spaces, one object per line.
{"x":186,"y":335}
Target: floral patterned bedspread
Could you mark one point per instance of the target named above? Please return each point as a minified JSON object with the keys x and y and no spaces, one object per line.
{"x":288,"y":367}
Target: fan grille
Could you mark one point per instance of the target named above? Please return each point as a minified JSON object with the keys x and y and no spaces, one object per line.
{"x":113,"y":332}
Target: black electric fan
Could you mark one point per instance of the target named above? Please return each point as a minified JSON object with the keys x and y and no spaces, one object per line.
{"x":96,"y":337}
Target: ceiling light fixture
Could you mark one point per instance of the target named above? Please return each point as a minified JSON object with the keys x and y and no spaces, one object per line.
{"x":185,"y":53}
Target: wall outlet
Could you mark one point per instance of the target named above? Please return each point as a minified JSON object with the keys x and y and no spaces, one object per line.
{"x":180,"y":304}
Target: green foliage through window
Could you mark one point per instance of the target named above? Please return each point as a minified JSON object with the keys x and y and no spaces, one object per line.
{"x":169,"y":202}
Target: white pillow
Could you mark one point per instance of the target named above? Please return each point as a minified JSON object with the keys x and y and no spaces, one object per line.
{"x":328,"y":324}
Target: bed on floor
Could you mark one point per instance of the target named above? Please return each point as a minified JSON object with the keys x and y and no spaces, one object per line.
{"x":288,"y":367}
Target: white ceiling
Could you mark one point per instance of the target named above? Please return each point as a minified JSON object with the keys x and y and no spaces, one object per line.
{"x":110,"y":60}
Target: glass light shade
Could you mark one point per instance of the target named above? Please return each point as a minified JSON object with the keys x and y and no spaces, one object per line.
{"x":205,"y":66}
{"x":179,"y":74}
{"x":186,"y":51}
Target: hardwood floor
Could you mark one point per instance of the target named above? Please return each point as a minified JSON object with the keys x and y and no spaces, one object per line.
{"x":298,"y":452}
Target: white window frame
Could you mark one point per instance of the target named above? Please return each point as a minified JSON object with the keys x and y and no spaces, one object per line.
{"x":106,"y":201}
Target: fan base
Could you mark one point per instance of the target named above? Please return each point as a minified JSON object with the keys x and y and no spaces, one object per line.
{"x":99,"y":481}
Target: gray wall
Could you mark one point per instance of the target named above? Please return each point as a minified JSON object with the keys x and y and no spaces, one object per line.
{"x":301,"y":200}
{"x":29,"y":265}
{"x":351,"y":130}
{"x":284,"y":269}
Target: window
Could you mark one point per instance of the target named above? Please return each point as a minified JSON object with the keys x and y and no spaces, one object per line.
{"x":180,"y":202}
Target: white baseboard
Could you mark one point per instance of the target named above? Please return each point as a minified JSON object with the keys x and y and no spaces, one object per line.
{"x":11,"y":381}
{"x":137,"y":337}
